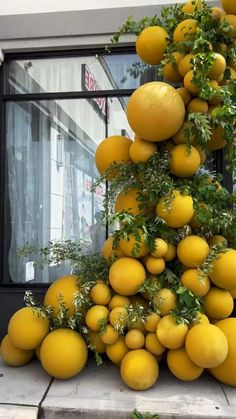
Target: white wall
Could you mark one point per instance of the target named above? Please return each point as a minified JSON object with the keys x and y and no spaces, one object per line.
{"x":12,"y":7}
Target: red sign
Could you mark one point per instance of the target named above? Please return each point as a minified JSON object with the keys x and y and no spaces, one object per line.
{"x":90,"y":84}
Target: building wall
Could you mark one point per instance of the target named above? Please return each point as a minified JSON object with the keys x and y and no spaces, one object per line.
{"x":13,"y":7}
{"x":70,"y":24}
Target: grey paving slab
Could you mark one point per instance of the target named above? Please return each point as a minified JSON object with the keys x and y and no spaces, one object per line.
{"x":100,"y":393}
{"x":23,"y":385}
{"x":18,"y":412}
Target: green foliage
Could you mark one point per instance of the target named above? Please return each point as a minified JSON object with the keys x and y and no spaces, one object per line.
{"x":97,"y":356}
{"x":54,"y":252}
{"x":135,"y":27}
{"x":102,"y":326}
{"x":91,"y":268}
{"x":214,"y":254}
{"x":170,"y":16}
{"x":150,"y":287}
{"x":40,"y":310}
{"x":88,"y":267}
{"x":187,"y":306}
{"x":138,"y":415}
{"x":200,"y":129}
{"x":82,"y":301}
{"x":136,"y":314}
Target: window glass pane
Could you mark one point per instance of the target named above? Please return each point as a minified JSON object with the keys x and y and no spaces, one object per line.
{"x":118,"y":124}
{"x":89,"y":73}
{"x":50,"y":149}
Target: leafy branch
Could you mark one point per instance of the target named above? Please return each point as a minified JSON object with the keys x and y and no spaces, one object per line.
{"x":200,"y":129}
{"x":55,"y":252}
{"x":187,"y":305}
{"x":138,"y":415}
{"x":135,"y":27}
{"x":39,"y":309}
{"x":214,"y":254}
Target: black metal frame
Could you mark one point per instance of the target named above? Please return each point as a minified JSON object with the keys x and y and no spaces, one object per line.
{"x":5,"y":98}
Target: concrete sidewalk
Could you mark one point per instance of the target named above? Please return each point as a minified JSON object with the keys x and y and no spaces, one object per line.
{"x":98,"y":392}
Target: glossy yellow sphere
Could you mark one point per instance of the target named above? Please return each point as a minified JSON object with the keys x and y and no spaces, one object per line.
{"x":134,"y":339}
{"x":126,"y":275}
{"x":13,"y":356}
{"x":128,"y":201}
{"x":218,"y":303}
{"x":27,"y":328}
{"x":229,"y":6}
{"x":95,"y":315}
{"x":139,"y":369}
{"x":63,"y":290}
{"x":151,"y":44}
{"x":198,"y":285}
{"x":206,"y":345}
{"x":192,"y":251}
{"x":178,"y":211}
{"x":224,"y":268}
{"x":116,"y":351}
{"x":161,"y":248}
{"x":182,"y":366}
{"x":141,"y":150}
{"x":185,"y":30}
{"x":63,"y":353}
{"x":133,"y":247}
{"x":226,"y":372}
{"x":113,"y":149}
{"x":155,"y":111}
{"x":184,"y":160}
{"x":170,"y":333}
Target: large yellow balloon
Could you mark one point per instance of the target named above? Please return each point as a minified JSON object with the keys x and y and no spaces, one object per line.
{"x":139,"y":369}
{"x":114,"y":149}
{"x":14,"y":356}
{"x":63,"y":290}
{"x":226,"y":372}
{"x":223,"y":271}
{"x":27,"y":328}
{"x":155,"y":111}
{"x":176,"y":209}
{"x":63,"y":353}
{"x":206,"y":345}
{"x":229,"y":6}
{"x":151,"y":44}
{"x":126,"y":276}
{"x":182,"y":366}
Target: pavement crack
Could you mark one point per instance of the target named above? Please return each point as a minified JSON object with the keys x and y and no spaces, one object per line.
{"x":222,"y":387}
{"x":44,"y":397}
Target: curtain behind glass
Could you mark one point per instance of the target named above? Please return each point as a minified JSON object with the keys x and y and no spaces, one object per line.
{"x":50,"y":160}
{"x":50,"y":149}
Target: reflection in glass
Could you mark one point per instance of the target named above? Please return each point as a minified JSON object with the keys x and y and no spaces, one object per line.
{"x":50,"y":169}
{"x":118,"y":123}
{"x":91,"y":73}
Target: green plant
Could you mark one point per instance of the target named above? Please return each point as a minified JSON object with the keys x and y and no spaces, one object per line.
{"x":138,"y":415}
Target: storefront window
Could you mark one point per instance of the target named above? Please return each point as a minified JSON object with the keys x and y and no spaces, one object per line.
{"x":50,"y":149}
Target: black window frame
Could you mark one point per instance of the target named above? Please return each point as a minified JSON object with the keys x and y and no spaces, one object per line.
{"x":31,"y":97}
